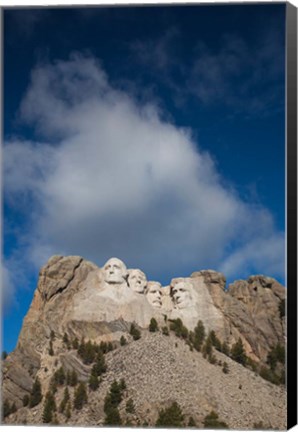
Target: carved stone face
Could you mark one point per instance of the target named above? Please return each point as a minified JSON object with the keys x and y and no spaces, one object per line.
{"x":153,"y":293}
{"x":181,"y":295}
{"x":114,"y":271}
{"x":137,"y":280}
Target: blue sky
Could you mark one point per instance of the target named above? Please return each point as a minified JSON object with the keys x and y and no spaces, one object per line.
{"x":154,"y":134}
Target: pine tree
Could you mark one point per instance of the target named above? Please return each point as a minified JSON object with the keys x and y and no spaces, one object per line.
{"x":89,"y":353}
{"x":64,"y":401}
{"x":225,"y":349}
{"x":238,"y":353}
{"x":207,"y":348}
{"x":115,"y":393}
{"x":36,"y":395}
{"x":153,"y":326}
{"x":199,"y":335}
{"x":171,"y":416}
{"x":113,"y":417}
{"x":135,"y":332}
{"x":93,"y":382}
{"x":215,"y":341}
{"x":100,"y":365}
{"x":73,"y":378}
{"x":49,"y":408}
{"x":123,"y":341}
{"x":80,"y":396}
{"x":59,"y":376}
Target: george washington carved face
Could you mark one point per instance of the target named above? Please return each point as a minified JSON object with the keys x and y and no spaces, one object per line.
{"x":153,"y":293}
{"x":181,"y":293}
{"x":114,"y":271}
{"x":137,"y":280}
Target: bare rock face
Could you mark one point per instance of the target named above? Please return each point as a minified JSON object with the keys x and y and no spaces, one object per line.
{"x":76,"y":297}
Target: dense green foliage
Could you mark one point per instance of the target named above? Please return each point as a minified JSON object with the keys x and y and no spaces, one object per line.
{"x":64,"y":401}
{"x":80,"y":396}
{"x":59,"y":376}
{"x":49,"y":408}
{"x":178,"y":328}
{"x":112,"y":400}
{"x":71,"y":378}
{"x":135,"y":332}
{"x":276,"y":355}
{"x":36,"y":395}
{"x":93,"y":382}
{"x":238,"y":353}
{"x":171,"y":416}
{"x":199,"y":335}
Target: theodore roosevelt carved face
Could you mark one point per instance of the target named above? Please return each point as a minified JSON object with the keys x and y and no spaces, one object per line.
{"x":137,"y":280}
{"x":114,"y":271}
{"x":181,"y":293}
{"x":153,"y":293}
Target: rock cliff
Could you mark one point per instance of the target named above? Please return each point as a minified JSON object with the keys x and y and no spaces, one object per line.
{"x":74,"y":297}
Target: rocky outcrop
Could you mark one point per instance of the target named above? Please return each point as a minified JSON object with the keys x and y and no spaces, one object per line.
{"x":76,"y":297}
{"x":169,"y":372}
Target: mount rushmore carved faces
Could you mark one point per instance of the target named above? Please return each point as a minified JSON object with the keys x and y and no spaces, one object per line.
{"x":137,"y":280}
{"x":153,"y":293}
{"x":181,"y":293}
{"x":115,"y":271}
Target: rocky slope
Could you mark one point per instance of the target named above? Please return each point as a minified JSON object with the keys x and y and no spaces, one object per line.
{"x":77,"y":298}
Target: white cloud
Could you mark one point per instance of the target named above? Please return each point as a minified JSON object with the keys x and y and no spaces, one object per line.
{"x":117,"y":180}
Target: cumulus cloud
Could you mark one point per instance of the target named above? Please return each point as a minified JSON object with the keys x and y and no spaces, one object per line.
{"x":110,"y":177}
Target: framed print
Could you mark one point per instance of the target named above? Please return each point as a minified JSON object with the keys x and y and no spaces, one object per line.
{"x":149,"y":163}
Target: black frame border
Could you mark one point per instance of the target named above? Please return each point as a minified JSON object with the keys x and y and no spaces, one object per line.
{"x":291,"y":139}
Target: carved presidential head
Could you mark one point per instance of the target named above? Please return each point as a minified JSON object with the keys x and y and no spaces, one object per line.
{"x":137,"y":280}
{"x":114,"y":271}
{"x":153,"y":293}
{"x":181,"y":293}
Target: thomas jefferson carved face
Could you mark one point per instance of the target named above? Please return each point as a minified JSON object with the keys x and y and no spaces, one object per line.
{"x":114,"y":271}
{"x":153,"y":293}
{"x":180,"y":291}
{"x":137,"y":280}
